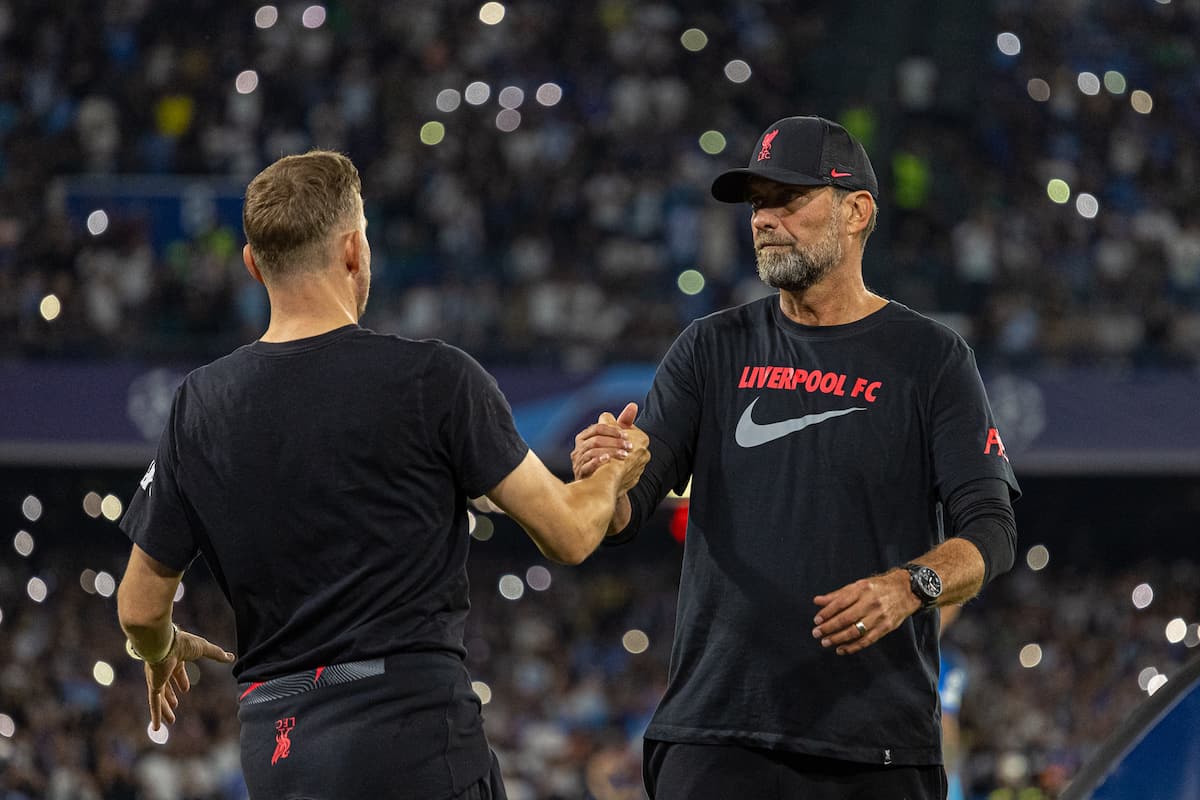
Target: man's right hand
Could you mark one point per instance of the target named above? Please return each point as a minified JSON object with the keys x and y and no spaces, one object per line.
{"x":608,"y":439}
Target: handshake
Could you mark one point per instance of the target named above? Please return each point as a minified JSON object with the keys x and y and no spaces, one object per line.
{"x":612,"y":440}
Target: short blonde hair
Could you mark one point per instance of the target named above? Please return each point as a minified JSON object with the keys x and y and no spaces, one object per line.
{"x":292,"y":207}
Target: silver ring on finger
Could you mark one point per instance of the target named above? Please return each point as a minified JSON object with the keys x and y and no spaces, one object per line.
{"x":862,"y":629}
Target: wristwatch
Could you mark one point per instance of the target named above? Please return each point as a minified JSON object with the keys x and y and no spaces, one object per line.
{"x":925,"y":583}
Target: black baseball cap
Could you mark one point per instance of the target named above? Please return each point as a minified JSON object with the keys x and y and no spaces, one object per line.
{"x":802,"y":151}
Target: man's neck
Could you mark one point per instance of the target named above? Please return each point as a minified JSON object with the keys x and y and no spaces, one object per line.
{"x":836,"y":300}
{"x":307,"y":309}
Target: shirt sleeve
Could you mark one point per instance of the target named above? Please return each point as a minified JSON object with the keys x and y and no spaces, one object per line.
{"x":965,"y":440}
{"x":477,"y":430}
{"x":157,"y":519}
{"x":670,"y":417}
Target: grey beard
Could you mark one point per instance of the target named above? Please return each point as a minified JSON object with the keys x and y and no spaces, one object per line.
{"x":796,"y":270}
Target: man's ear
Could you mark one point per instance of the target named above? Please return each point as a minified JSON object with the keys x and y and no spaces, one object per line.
{"x":351,"y":250}
{"x":252,"y":265}
{"x":862,"y":205}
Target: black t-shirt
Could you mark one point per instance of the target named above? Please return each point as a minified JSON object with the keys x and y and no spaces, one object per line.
{"x":818,"y":456}
{"x":325,"y":481}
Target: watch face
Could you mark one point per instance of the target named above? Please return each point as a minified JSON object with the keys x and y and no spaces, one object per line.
{"x":931,"y":584}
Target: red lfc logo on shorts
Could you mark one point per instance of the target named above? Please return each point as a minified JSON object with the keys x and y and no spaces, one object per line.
{"x":283,"y":745}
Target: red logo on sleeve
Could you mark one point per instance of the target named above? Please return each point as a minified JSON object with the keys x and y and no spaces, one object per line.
{"x":993,"y":439}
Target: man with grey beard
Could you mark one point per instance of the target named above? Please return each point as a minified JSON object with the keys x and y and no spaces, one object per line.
{"x":848,"y":479}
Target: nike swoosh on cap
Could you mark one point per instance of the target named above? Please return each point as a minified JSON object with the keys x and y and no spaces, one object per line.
{"x":751,"y":434}
{"x":833,"y":173}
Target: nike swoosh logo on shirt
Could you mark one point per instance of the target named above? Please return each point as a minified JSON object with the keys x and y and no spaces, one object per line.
{"x":750,"y":434}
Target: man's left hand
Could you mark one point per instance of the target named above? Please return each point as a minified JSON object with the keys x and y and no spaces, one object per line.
{"x":861,"y":613}
{"x":168,"y":679}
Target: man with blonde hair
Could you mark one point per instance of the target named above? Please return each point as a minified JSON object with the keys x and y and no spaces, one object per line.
{"x":324,"y":473}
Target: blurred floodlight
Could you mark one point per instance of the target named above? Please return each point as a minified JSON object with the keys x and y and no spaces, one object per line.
{"x":246,"y":81}
{"x":7,"y":726}
{"x":548,"y":94}
{"x":477,"y":93}
{"x":712,"y":142}
{"x":1058,"y":190}
{"x":1156,"y":683}
{"x":97,"y":222}
{"x":87,"y":581}
{"x":690,"y":282}
{"x":1176,"y":630}
{"x":1008,"y":43}
{"x":1087,"y":205}
{"x":179,"y":591}
{"x":511,"y":587}
{"x":23,"y":543}
{"x":111,"y":507}
{"x":694,"y":39}
{"x":538,"y":578}
{"x":483,"y":690}
{"x":491,"y":13}
{"x":1089,"y":83}
{"x":1031,"y":655}
{"x":448,"y":100}
{"x":266,"y":17}
{"x":484,"y":528}
{"x":91,"y":504}
{"x":511,"y":97}
{"x":433,"y":133}
{"x":1193,"y":635}
{"x":1141,"y":101}
{"x":1038,"y":557}
{"x":102,"y":671}
{"x":159,"y":736}
{"x":105,"y":584}
{"x":2,"y":618}
{"x":313,"y":17}
{"x":1143,"y":595}
{"x":470,"y":521}
{"x":31,"y":507}
{"x":737,"y":71}
{"x":36,"y":589}
{"x":635,"y":641}
{"x":1144,"y":677}
{"x":50,"y":307}
{"x":1038,"y":89}
{"x":1114,"y":82}
{"x":508,"y":120}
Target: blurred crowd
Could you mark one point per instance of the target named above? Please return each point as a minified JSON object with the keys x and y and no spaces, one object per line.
{"x":569,"y":663}
{"x":547,"y":216}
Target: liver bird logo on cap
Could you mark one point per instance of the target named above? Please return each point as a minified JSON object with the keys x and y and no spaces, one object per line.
{"x":765,"y":152}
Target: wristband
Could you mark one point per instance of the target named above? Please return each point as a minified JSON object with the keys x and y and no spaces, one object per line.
{"x":133,"y":653}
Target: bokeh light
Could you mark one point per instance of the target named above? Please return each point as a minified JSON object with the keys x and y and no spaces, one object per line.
{"x":1087,"y":205}
{"x":159,"y":736}
{"x":1141,"y":101}
{"x":1192,"y":638}
{"x":36,"y":589}
{"x":91,"y":504}
{"x":694,"y":39}
{"x":1031,"y":655}
{"x":1114,"y":82}
{"x":7,"y":726}
{"x":712,"y":142}
{"x":1058,"y":190}
{"x":737,"y":71}
{"x":483,"y":690}
{"x":1176,"y":630}
{"x":1156,"y":683}
{"x":477,"y":93}
{"x":111,"y":507}
{"x":1143,"y":595}
{"x":313,"y":17}
{"x":23,"y":543}
{"x":246,"y":81}
{"x":549,"y":94}
{"x":50,"y":307}
{"x":31,"y":507}
{"x":538,"y":578}
{"x":433,"y":132}
{"x":103,"y":672}
{"x":1008,"y":43}
{"x":690,"y":282}
{"x":106,"y":584}
{"x":97,"y":222}
{"x":1038,"y":557}
{"x":635,"y":641}
{"x":484,"y":528}
{"x":179,"y":592}
{"x":508,"y":120}
{"x":266,"y":17}
{"x":1038,"y":89}
{"x":1144,"y":677}
{"x":491,"y":13}
{"x":87,"y":581}
{"x":511,"y":97}
{"x":1088,"y":83}
{"x":448,"y":100}
{"x":511,"y":587}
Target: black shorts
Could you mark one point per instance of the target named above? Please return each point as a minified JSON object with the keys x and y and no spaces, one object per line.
{"x":403,"y":727}
{"x":675,"y":771}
